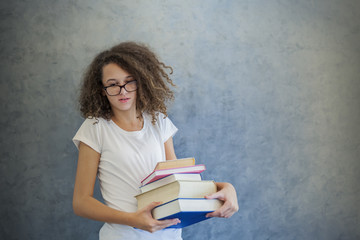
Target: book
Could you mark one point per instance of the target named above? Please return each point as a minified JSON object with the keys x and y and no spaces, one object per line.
{"x":188,"y":210}
{"x":177,"y":189}
{"x":183,"y":162}
{"x":157,"y":174}
{"x":169,"y":179}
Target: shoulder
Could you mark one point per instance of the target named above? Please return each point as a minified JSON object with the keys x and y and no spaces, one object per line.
{"x":90,"y":133}
{"x":91,"y":120}
{"x":163,"y":124}
{"x":95,"y":121}
{"x":160,"y":118}
{"x":92,"y":123}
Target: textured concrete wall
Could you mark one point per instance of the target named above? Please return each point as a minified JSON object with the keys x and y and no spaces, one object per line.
{"x":268,"y":98}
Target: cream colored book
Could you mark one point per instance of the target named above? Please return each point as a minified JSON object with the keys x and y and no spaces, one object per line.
{"x":177,"y":189}
{"x":182,"y":162}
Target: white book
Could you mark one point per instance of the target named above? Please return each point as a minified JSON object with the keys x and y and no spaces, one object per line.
{"x":169,"y":179}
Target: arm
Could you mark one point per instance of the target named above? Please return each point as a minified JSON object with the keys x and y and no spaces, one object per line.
{"x":169,"y":149}
{"x":85,"y":205}
{"x":227,"y":193}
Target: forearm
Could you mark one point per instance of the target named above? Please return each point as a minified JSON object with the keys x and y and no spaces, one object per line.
{"x":142,"y":219}
{"x":91,"y":208}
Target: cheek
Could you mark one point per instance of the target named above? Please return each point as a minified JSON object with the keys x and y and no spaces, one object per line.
{"x":132,"y":95}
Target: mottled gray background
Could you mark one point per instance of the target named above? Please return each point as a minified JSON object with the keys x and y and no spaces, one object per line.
{"x":268,"y":98}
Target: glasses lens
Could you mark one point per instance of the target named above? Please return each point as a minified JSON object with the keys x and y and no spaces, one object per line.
{"x":131,"y":86}
{"x":113,"y":90}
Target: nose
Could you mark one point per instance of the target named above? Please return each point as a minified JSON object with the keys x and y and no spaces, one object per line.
{"x":122,"y":87}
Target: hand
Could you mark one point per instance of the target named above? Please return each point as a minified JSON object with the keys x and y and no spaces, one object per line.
{"x":227,"y":194}
{"x":144,"y":220}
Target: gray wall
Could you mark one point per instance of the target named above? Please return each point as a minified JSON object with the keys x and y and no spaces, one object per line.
{"x":268,"y":98}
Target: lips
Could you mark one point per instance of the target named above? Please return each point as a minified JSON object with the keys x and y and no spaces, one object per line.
{"x":124,"y":100}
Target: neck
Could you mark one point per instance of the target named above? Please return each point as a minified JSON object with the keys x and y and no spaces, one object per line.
{"x":128,"y":121}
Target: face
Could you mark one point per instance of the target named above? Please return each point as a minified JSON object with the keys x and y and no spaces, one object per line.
{"x":115,"y":75}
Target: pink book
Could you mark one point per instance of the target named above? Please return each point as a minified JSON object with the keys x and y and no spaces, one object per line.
{"x":157,"y":174}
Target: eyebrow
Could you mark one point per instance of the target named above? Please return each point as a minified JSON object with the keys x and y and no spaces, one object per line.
{"x":113,"y":79}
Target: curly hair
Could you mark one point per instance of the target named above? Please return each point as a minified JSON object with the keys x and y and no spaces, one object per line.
{"x":138,"y":60}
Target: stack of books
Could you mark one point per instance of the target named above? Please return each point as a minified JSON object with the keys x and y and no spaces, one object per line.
{"x":178,"y":185}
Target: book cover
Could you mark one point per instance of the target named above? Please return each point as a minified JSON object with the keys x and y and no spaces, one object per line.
{"x":169,"y":179}
{"x":177,"y":189}
{"x":188,"y":210}
{"x":157,"y":174}
{"x":182,"y":162}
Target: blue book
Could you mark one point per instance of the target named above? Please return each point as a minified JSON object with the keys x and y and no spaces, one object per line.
{"x":188,"y":210}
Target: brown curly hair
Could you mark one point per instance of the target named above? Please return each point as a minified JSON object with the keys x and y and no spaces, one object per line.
{"x":138,"y":60}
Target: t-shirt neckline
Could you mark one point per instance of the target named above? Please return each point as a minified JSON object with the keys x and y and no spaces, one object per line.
{"x":132,"y":132}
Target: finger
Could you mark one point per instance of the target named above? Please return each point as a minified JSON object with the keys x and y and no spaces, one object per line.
{"x":168,"y":222}
{"x":216,"y":213}
{"x":151,"y":206}
{"x":226,"y":211}
{"x":221,"y":212}
{"x":213,"y":214}
{"x":147,"y":210}
{"x":218,"y":195}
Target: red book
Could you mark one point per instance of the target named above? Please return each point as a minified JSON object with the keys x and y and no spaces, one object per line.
{"x":157,"y":174}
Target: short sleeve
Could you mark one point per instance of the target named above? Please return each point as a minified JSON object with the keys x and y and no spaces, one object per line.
{"x":167,"y":128}
{"x":89,"y":134}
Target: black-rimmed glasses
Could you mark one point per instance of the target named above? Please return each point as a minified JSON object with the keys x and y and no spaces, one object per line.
{"x":115,"y":89}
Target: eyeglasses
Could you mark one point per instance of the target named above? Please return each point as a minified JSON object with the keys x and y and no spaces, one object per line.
{"x":115,"y":89}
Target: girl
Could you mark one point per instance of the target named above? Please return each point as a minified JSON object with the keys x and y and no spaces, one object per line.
{"x":125,"y":133}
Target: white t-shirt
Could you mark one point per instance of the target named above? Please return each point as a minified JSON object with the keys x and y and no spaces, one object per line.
{"x":126,"y":158}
